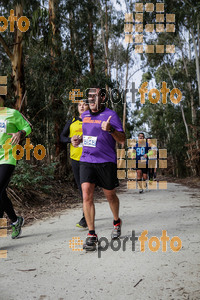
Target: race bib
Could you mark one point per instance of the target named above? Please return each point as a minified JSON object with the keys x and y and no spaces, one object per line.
{"x":3,"y":126}
{"x":89,"y":141}
{"x":143,"y":158}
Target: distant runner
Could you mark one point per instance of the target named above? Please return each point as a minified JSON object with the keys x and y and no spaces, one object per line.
{"x":141,"y":157}
{"x":13,"y":128}
{"x":71,"y":132}
{"x":152,"y":156}
{"x":98,"y":164}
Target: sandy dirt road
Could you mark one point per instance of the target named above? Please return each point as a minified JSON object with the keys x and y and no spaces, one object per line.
{"x":40,"y":264}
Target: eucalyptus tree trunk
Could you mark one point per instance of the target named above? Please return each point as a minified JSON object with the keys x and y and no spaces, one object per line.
{"x":126,"y":86}
{"x":55,"y":53}
{"x":16,"y":59}
{"x":196,"y":58}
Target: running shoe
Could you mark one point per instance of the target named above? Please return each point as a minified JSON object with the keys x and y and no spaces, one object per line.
{"x":151,"y":178}
{"x":91,"y":242}
{"x":16,"y":229}
{"x":82,"y":223}
{"x":141,"y":191}
{"x":116,"y":232}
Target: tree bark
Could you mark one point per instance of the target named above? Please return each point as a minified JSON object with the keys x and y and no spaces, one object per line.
{"x":126,"y":86}
{"x":197,"y":62}
{"x":91,"y":45}
{"x":193,"y":111}
{"x":16,"y":58}
{"x":105,"y":40}
{"x":186,"y":126}
{"x":55,"y":52}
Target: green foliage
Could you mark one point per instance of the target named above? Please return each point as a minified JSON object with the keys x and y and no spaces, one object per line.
{"x":36,"y":177}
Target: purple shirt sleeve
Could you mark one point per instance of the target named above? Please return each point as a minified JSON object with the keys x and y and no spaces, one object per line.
{"x":116,"y":122}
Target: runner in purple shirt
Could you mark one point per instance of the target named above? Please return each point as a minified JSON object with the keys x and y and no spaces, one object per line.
{"x":102,"y":128}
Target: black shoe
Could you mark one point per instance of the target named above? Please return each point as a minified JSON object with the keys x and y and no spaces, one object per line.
{"x":91,"y":242}
{"x":141,"y":191}
{"x":82,"y":223}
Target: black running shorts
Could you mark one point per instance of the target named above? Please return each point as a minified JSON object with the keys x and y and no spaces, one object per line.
{"x":102,"y":174}
{"x":144,"y":170}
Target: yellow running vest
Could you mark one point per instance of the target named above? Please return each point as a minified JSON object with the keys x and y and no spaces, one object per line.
{"x":76,"y":129}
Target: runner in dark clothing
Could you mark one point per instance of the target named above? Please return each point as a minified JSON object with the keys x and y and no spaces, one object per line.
{"x":141,"y":157}
{"x":71,"y":131}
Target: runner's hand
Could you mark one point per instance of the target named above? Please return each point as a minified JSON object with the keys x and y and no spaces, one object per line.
{"x":75,"y":140}
{"x":106,"y":124}
{"x":16,"y":137}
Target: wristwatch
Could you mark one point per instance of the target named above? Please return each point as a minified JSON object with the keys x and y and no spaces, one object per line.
{"x":22,"y":133}
{"x":112,"y":130}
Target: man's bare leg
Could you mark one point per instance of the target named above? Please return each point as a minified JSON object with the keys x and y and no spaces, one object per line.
{"x":139,"y":179}
{"x":88,"y":203}
{"x":114,"y":205}
{"x":144,"y":180}
{"x":113,"y":202}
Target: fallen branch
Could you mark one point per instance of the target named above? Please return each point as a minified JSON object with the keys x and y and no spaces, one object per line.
{"x":14,"y":196}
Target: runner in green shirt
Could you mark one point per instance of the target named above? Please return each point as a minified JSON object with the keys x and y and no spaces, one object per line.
{"x":13,"y":127}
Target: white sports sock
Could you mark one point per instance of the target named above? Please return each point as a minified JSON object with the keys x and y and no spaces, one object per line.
{"x":15,"y":222}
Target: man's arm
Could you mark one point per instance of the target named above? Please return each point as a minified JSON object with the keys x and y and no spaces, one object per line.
{"x":119,"y":136}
